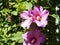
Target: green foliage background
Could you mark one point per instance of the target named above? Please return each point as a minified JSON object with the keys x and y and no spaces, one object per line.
{"x":10,"y":29}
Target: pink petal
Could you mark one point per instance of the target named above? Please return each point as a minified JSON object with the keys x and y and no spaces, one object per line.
{"x":41,"y":8}
{"x":36,"y":8}
{"x":42,"y":38}
{"x":36,"y":31}
{"x":24,"y":36}
{"x":38,"y":23}
{"x":41,"y":23}
{"x":25,"y":43}
{"x":35,"y":34}
{"x":24,"y":15}
{"x":29,"y":44}
{"x":44,"y":23}
{"x":37,"y":43}
{"x":26,"y":23}
{"x":30,"y":13}
{"x":45,"y":14}
{"x":36,"y":11}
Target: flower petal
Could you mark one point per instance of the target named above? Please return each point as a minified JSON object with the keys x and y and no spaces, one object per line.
{"x":33,"y":33}
{"x":41,"y":8}
{"x":38,"y":23}
{"x":44,"y":23}
{"x":45,"y":14}
{"x":41,"y":23}
{"x":36,"y":31}
{"x":24,"y":43}
{"x":24,"y":36}
{"x":36,"y":11}
{"x":42,"y":38}
{"x":26,"y":23}
{"x":24,"y":15}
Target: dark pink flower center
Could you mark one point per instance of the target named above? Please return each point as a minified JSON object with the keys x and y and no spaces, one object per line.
{"x":33,"y":40}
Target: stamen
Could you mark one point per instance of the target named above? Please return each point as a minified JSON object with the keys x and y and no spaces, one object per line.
{"x":33,"y":40}
{"x":38,"y":18}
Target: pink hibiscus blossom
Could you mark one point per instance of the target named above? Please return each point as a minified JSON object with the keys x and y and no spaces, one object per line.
{"x":33,"y":37}
{"x":37,"y":15}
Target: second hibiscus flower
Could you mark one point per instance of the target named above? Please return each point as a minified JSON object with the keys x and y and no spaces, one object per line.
{"x":33,"y":37}
{"x":37,"y":15}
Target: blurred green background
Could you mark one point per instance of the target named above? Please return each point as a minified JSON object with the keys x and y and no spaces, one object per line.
{"x":10,"y":29}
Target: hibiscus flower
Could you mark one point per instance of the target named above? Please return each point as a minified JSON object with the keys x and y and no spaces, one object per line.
{"x":37,"y":15}
{"x":33,"y":37}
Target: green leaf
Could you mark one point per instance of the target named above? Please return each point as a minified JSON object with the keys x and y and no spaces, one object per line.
{"x":6,"y":25}
{"x":9,"y":28}
{"x":35,"y":1}
{"x":54,"y":15}
{"x":17,"y":37}
{"x":1,"y":38}
{"x":13,"y":43}
{"x":11,"y":3}
{"x":1,"y":43}
{"x":28,"y":5}
{"x":14,"y":25}
{"x":0,"y":4}
{"x":14,"y":13}
{"x":6,"y":10}
{"x":18,"y":1}
{"x":1,"y":24}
